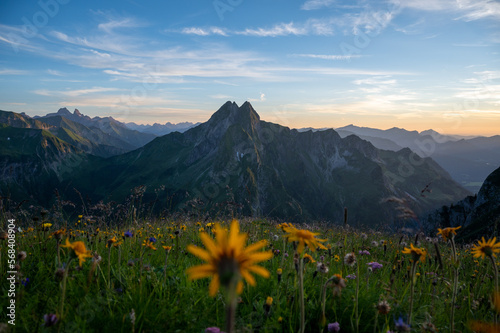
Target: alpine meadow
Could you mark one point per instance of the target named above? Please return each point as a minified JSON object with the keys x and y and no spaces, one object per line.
{"x":236,"y":166}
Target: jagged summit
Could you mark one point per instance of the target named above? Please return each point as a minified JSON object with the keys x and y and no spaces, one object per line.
{"x":63,"y":111}
{"x":230,"y":113}
{"x":77,"y":113}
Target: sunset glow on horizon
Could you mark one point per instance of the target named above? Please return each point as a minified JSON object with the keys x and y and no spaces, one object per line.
{"x":416,"y":65}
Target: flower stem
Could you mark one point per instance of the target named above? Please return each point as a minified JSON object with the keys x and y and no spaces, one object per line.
{"x":357,"y":298}
{"x":58,"y":253}
{"x":301,"y":296}
{"x":63,"y":296}
{"x":231,"y":306}
{"x":455,"y":285}
{"x":109,"y":266}
{"x":165,"y":268}
{"x":323,"y":303}
{"x":412,"y":289}
{"x":495,"y":270}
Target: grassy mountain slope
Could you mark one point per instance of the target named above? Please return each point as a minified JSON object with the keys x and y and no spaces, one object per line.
{"x":33,"y":162}
{"x":91,"y":140}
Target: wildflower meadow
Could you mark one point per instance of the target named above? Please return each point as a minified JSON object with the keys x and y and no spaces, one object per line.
{"x":247,"y":275}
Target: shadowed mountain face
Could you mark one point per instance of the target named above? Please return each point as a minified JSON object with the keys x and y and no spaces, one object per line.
{"x":265,"y":169}
{"x":479,"y":214}
{"x":34,"y":162}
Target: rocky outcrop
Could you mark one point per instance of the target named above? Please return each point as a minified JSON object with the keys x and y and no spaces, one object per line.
{"x":479,"y":215}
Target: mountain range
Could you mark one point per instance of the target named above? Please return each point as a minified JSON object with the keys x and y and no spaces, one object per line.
{"x":469,"y":160}
{"x":234,"y":161}
{"x":162,"y":129}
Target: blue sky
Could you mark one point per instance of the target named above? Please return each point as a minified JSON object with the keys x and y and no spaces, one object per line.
{"x":416,"y":64}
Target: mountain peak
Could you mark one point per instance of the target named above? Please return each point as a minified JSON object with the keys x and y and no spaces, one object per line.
{"x":77,"y":113}
{"x":63,"y":112}
{"x":232,"y":114}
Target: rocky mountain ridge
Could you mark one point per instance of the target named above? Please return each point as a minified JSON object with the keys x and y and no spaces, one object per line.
{"x":265,"y":169}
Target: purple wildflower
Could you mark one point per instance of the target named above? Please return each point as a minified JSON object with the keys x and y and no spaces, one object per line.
{"x":334,"y":327}
{"x":351,"y":276}
{"x":50,"y":319}
{"x":401,"y":326}
{"x":375,"y":265}
{"x":213,"y":330}
{"x":364,"y":252}
{"x":128,"y":234}
{"x":152,"y":239}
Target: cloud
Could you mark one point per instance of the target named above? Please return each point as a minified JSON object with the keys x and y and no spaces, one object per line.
{"x":9,"y":71}
{"x":119,"y":102}
{"x":282,"y":29}
{"x":122,"y":23}
{"x":327,"y":56}
{"x":479,"y":9}
{"x":54,"y":72}
{"x":316,"y":4}
{"x":370,"y":22}
{"x":469,"y":10}
{"x":376,"y":81}
{"x":317,"y":27}
{"x":204,"y":31}
{"x":412,"y":29}
{"x":484,"y":87}
{"x":261,"y":98}
{"x":73,"y":93}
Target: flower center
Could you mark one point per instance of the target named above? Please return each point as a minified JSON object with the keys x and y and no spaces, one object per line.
{"x":488,"y":250}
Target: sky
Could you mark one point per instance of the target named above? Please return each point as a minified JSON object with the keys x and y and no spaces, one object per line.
{"x":414,"y":64}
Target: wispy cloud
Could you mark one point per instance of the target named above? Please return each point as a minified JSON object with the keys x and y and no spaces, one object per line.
{"x":479,"y":9}
{"x":317,"y":27}
{"x":468,"y":10}
{"x":121,"y":23}
{"x":282,"y":29}
{"x":328,"y":56}
{"x":73,"y":93}
{"x":54,"y":72}
{"x":482,"y":89}
{"x":317,"y":4}
{"x":371,"y":21}
{"x":9,"y":71}
{"x":205,"y":31}
{"x":413,"y":28}
{"x":117,"y":101}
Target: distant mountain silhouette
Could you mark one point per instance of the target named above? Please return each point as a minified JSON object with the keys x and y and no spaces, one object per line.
{"x":469,"y":160}
{"x":159,"y":129}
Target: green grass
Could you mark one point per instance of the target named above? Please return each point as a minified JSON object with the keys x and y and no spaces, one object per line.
{"x":164,"y":300}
